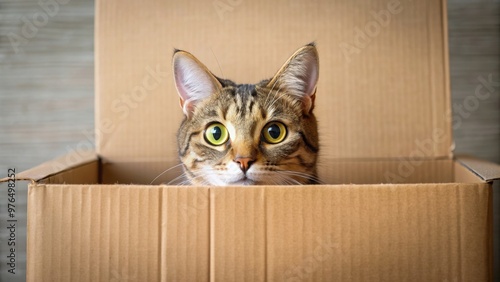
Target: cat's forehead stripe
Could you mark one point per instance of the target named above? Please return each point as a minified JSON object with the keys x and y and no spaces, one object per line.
{"x":244,"y":96}
{"x":247,"y":89}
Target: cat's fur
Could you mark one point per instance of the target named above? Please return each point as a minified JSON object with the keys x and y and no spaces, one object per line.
{"x":245,"y":109}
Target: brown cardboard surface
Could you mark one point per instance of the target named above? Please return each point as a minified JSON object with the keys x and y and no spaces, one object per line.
{"x":346,"y":233}
{"x":389,"y":90}
{"x":419,"y":232}
{"x":141,"y":172}
{"x":67,"y":162}
{"x":386,"y":171}
{"x":116,"y":233}
{"x":85,"y":174}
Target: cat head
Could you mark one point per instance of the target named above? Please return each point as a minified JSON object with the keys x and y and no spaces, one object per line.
{"x":246,"y":134}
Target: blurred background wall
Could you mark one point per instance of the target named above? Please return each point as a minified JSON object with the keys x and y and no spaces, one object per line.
{"x":47,"y":102}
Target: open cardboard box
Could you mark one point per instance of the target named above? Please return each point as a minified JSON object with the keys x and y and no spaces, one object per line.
{"x":398,"y":205}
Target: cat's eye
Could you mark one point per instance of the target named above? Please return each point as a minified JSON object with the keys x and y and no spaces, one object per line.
{"x":216,"y":134}
{"x":274,"y":132}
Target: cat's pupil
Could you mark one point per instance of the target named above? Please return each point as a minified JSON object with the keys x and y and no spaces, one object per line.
{"x":216,"y":133}
{"x":274,"y":131}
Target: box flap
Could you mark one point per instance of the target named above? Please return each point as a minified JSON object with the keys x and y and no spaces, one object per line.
{"x":488,"y":171}
{"x":69,"y":161}
{"x":383,"y":88}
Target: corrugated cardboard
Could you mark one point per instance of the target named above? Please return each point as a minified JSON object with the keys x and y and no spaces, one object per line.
{"x":396,"y":206}
{"x":389,"y":89}
{"x":385,"y":232}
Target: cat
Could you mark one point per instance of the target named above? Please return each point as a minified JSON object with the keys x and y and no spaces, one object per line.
{"x":248,"y":134}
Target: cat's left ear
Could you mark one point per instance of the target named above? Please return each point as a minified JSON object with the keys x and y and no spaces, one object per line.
{"x":299,"y":76}
{"x":193,"y":80}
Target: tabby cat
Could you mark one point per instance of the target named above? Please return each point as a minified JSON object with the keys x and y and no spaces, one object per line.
{"x":248,"y":134}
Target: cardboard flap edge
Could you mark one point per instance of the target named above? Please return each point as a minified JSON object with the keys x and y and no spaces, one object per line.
{"x":488,"y":171}
{"x":55,"y":166}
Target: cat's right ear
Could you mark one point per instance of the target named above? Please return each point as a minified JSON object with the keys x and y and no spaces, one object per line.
{"x":194,"y":82}
{"x":299,"y":76}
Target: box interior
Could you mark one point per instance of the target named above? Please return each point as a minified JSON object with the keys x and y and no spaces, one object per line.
{"x":383,"y":87}
{"x":338,"y":172}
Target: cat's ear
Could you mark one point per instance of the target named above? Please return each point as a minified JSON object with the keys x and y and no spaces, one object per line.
{"x":299,"y":76}
{"x":194,"y":82}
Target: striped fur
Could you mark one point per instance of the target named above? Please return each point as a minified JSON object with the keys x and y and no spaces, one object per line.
{"x":244,"y":109}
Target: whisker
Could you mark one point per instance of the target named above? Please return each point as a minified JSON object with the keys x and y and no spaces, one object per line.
{"x":201,"y":175}
{"x":302,"y":175}
{"x":177,"y":178}
{"x":279,"y":179}
{"x":290,"y":181}
{"x":165,"y":171}
{"x":277,"y":96}
{"x":222,"y":74}
{"x":307,"y":176}
{"x":271,"y":91}
{"x":272,"y":88}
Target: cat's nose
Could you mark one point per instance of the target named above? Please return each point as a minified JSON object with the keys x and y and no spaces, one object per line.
{"x":244,"y":162}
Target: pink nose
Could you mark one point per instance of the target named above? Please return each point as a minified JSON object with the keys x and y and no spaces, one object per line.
{"x":244,"y":162}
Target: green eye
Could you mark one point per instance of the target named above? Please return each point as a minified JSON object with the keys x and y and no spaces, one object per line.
{"x":216,"y":134}
{"x":274,"y":132}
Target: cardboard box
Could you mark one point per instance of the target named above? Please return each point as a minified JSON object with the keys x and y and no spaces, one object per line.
{"x":398,"y":206}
